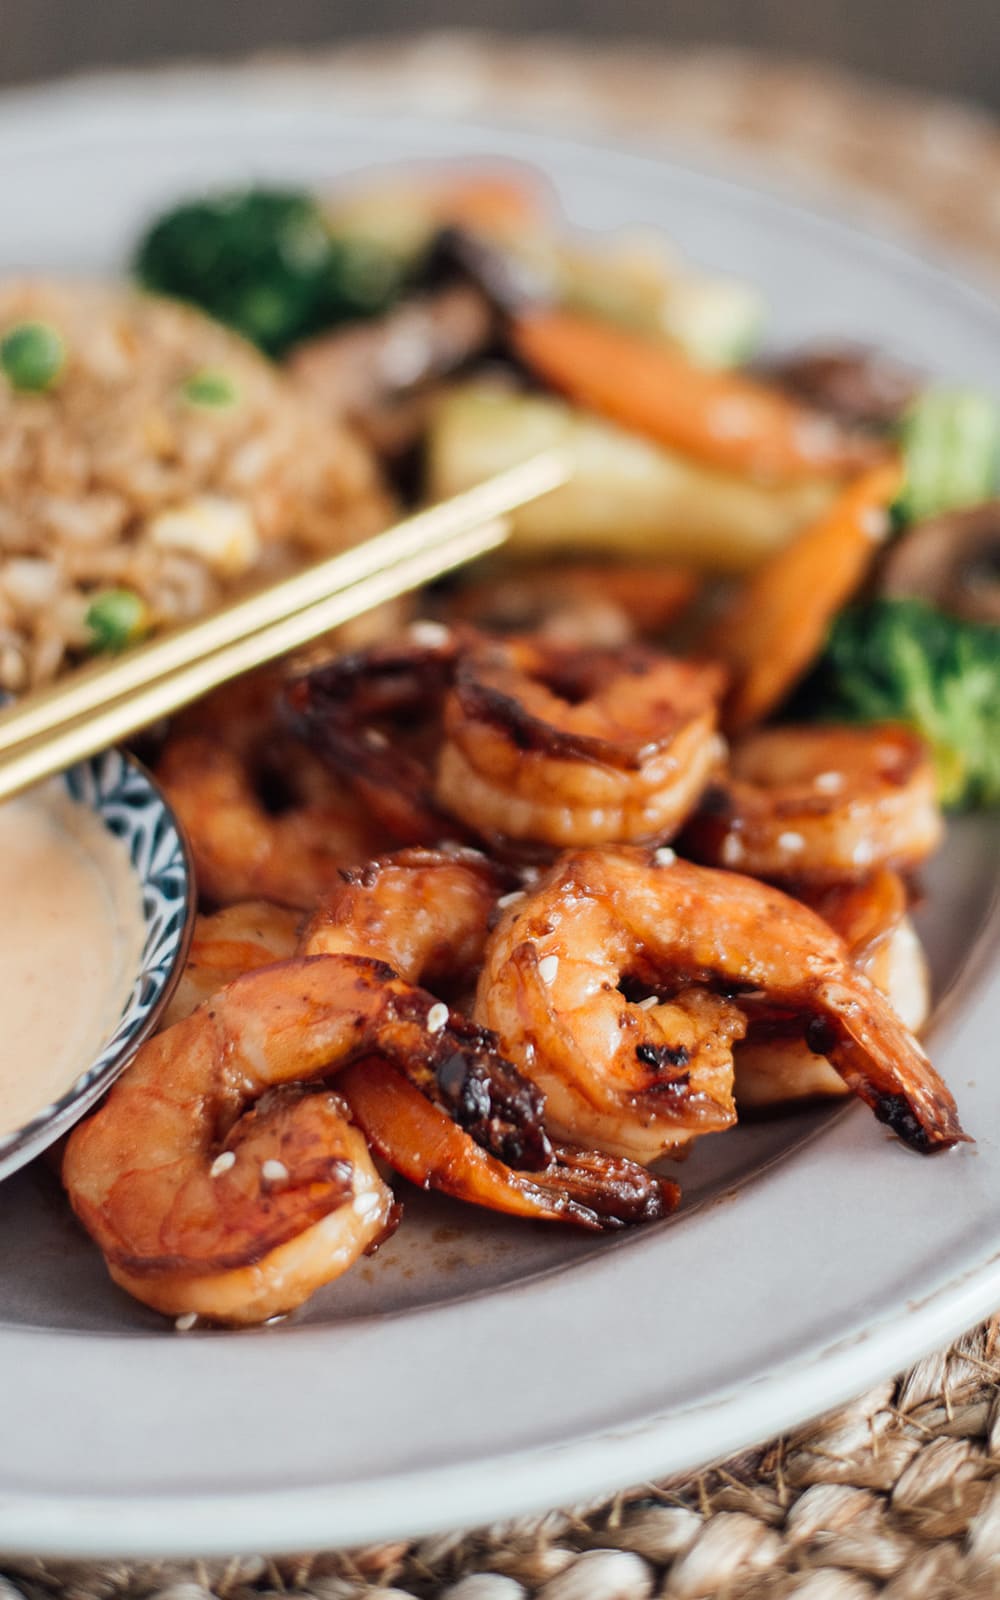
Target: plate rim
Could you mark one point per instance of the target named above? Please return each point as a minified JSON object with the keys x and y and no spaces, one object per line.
{"x":85,"y":1525}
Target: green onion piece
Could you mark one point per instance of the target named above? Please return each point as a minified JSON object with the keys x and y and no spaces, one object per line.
{"x":117,"y":618}
{"x":210,"y":387}
{"x":32,"y":356}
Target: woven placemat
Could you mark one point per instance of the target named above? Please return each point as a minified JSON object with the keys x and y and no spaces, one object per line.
{"x":897,"y":1494}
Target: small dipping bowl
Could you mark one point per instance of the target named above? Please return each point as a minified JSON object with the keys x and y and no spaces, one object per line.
{"x":128,"y":803}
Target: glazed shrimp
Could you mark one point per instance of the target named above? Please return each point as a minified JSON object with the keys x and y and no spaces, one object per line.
{"x":229,"y":943}
{"x":642,"y":1079}
{"x":264,"y":818}
{"x":774,"y":1066}
{"x":427,"y":913}
{"x":245,"y":850}
{"x":374,"y":718}
{"x":207,"y":1194}
{"x":541,"y":746}
{"x":819,"y":805}
{"x":555,"y":747}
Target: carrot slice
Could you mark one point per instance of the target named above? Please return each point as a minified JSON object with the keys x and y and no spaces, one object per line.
{"x":725,"y":419}
{"x":779,"y":619}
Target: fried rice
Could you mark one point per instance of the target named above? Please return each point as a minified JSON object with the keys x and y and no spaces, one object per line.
{"x":166,"y":459}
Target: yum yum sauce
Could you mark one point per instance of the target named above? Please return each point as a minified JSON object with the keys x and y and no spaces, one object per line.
{"x":71,"y":932}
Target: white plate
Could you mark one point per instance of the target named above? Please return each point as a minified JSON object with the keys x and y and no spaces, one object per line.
{"x":480,"y":1368}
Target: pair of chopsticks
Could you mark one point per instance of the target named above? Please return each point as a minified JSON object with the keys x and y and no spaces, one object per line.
{"x":52,"y":728}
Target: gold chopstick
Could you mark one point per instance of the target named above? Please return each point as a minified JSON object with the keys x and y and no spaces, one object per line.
{"x":92,"y":687}
{"x":202,"y":656}
{"x":29,"y":761}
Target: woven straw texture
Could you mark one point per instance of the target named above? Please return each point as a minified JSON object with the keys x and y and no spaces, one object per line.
{"x":897,"y":1494}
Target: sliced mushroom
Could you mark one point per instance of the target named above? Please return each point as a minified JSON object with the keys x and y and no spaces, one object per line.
{"x":953,"y":561}
{"x":852,"y":382}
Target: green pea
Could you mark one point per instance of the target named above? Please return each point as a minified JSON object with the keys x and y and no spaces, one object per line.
{"x":117,"y":618}
{"x":210,"y":387}
{"x":32,"y":356}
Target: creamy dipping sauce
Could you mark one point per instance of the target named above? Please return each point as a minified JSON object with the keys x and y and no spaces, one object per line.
{"x":71,"y":933}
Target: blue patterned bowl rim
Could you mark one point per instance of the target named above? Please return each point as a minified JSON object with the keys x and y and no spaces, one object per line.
{"x":129,"y":803}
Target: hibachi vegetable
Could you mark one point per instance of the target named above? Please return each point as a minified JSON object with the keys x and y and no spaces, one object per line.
{"x":627,"y":496}
{"x":777,"y":622}
{"x":905,"y":661}
{"x":724,"y":419}
{"x":639,"y":283}
{"x":951,"y":447}
{"x":265,"y":262}
{"x":117,"y":618}
{"x":32,"y":356}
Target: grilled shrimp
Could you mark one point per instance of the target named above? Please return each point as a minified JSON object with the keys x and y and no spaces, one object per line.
{"x":708,"y":948}
{"x":374,"y":718}
{"x":210,"y":1193}
{"x":819,"y":805}
{"x":555,"y":746}
{"x":542,"y":746}
{"x":774,"y":1065}
{"x":427,"y":914}
{"x":229,"y":943}
{"x":264,"y":817}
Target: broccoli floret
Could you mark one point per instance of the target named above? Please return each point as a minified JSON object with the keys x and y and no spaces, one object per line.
{"x":265,"y":262}
{"x":904,"y":661}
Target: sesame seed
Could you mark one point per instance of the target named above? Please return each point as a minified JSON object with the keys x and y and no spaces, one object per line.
{"x":185,"y":1323}
{"x":828,"y":782}
{"x":547,"y":968}
{"x":863,"y":853}
{"x":664,"y":857}
{"x":437,"y":1017}
{"x":650,"y":1001}
{"x":791,"y":841}
{"x":222,"y":1163}
{"x":274,"y":1172}
{"x":511,"y":899}
{"x":732,"y":849}
{"x":430,"y":634}
{"x":375,"y":739}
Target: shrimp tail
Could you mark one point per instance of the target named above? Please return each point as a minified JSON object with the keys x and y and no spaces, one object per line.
{"x":418,"y":1138}
{"x":885,"y":1066}
{"x":618,"y":1190}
